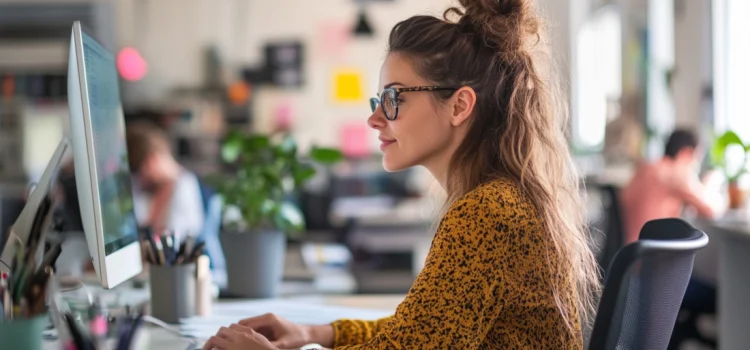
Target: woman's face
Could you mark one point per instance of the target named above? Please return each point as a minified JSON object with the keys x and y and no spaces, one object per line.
{"x":422,"y":133}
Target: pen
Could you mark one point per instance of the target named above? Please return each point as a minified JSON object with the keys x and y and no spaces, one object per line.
{"x":146,"y":247}
{"x":7,"y":302}
{"x":198,"y":251}
{"x":181,"y":253}
{"x":2,"y":302}
{"x":124,"y":333}
{"x":187,"y":249}
{"x":134,"y":329}
{"x":51,"y":257}
{"x":158,"y":255}
{"x":75,"y":332}
{"x":166,"y":244}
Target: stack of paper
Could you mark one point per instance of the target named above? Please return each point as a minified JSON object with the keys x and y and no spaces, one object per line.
{"x":226,"y":313}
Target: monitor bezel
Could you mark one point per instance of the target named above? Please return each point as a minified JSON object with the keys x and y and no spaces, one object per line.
{"x":124,"y":263}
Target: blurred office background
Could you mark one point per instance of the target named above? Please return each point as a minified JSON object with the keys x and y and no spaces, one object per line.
{"x":634,"y":69}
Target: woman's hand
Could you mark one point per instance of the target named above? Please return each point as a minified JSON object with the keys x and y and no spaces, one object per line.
{"x":287,"y":335}
{"x":238,"y":338}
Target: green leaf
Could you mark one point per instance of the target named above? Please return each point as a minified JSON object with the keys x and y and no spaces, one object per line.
{"x":326,"y":155}
{"x":302,"y":173}
{"x":268,"y":174}
{"x":718,"y":151}
{"x":232,"y":147}
{"x":289,"y":218}
{"x":256,"y":143}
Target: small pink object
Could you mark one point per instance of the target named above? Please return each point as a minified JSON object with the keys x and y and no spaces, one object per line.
{"x":98,"y":326}
{"x":131,"y":65}
{"x":284,"y":115}
{"x":355,"y":140}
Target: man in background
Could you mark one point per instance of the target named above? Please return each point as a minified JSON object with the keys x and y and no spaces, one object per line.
{"x":166,"y":196}
{"x":662,"y":189}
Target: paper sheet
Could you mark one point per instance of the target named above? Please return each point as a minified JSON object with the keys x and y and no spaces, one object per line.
{"x":224,"y":314}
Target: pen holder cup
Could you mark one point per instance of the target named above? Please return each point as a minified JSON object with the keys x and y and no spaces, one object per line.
{"x":23,"y":333}
{"x":172,"y":292}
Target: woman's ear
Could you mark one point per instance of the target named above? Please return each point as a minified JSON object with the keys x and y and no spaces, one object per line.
{"x":464,"y":101}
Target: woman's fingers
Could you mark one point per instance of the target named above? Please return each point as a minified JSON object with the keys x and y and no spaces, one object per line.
{"x":225,"y":333}
{"x":241,"y":328}
{"x":216,"y":342}
{"x":260,"y":321}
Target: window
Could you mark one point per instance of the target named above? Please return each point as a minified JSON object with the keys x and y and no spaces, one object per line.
{"x":598,"y":77}
{"x":731,"y":20}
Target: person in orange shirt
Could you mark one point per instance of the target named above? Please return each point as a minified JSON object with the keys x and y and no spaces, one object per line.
{"x":662,"y":189}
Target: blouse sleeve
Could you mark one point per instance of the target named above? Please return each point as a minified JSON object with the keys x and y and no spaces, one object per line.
{"x":352,"y":332}
{"x":468,"y":279}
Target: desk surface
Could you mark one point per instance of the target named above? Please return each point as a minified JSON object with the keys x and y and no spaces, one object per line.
{"x":153,"y":337}
{"x":732,"y":225}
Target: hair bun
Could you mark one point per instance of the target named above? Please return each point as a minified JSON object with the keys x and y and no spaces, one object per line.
{"x":503,"y":24}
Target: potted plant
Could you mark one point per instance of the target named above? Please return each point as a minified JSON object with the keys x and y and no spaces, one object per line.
{"x":732,"y":170}
{"x":260,"y":209}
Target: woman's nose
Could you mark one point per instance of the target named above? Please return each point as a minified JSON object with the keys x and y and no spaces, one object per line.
{"x":377,"y":119}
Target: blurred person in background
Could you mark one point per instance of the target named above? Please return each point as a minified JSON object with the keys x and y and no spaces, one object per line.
{"x":469,"y":96}
{"x":664,"y":188}
{"x":623,"y":136}
{"x":166,"y":195}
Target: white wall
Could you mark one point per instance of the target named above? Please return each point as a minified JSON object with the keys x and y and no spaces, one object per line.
{"x":692,"y":60}
{"x":173,"y":34}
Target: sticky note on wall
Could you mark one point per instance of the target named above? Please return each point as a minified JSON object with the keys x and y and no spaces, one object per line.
{"x":355,"y":139}
{"x":347,"y":86}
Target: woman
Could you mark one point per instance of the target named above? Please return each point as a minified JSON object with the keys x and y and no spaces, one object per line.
{"x":510,"y":265}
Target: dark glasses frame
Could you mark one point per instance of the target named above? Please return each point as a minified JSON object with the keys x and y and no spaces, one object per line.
{"x":393,"y":94}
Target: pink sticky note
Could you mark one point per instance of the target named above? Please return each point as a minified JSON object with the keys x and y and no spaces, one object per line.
{"x":284,"y":115}
{"x":354,"y":140}
{"x":333,"y":38}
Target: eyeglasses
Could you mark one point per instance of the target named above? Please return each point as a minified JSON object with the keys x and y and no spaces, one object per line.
{"x":389,"y":98}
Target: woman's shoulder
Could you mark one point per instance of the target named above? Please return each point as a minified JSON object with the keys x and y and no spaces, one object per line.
{"x":500,"y":201}
{"x":503,"y":195}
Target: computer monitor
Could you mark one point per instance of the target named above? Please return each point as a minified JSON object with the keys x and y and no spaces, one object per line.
{"x":28,"y":231}
{"x":97,"y":133}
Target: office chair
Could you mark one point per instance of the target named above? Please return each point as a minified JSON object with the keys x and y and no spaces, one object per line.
{"x":614,"y":228}
{"x":645,"y":286}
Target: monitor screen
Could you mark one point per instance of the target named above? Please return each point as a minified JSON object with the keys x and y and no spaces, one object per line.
{"x":109,"y":147}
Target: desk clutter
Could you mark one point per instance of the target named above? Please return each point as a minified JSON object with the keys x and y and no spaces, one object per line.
{"x":165,"y":249}
{"x":24,"y":290}
{"x":95,"y":335}
{"x":179,"y":276}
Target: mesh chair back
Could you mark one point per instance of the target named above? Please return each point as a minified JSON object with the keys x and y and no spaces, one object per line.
{"x":614,"y":228}
{"x":645,"y":286}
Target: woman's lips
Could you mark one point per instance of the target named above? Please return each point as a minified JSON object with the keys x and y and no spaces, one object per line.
{"x":385,"y":142}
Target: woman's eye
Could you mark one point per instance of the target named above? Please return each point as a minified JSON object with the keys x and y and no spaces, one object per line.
{"x":400,"y":100}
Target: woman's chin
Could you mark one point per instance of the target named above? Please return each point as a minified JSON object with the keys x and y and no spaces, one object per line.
{"x":393,"y":165}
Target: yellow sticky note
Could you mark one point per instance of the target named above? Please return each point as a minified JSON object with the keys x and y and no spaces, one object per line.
{"x":347,"y":86}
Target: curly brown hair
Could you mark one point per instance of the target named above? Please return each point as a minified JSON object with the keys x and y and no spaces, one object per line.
{"x":519,"y":125}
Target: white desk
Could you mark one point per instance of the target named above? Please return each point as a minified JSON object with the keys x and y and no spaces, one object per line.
{"x":152,"y":337}
{"x":734,"y":283}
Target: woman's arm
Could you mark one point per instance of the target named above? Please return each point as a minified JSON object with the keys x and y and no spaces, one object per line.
{"x":352,"y":332}
{"x":469,"y":278}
